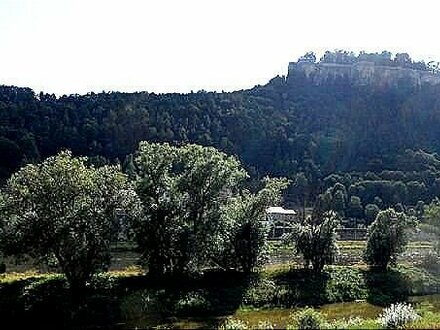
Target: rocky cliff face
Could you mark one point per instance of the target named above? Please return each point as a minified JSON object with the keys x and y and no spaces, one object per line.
{"x":363,"y":73}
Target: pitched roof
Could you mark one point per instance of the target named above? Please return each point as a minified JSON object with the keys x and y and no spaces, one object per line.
{"x":279,"y":210}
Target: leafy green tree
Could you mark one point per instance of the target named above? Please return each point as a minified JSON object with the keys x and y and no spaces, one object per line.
{"x":399,"y":208}
{"x":378,"y":201}
{"x":66,"y":211}
{"x":301,"y":188}
{"x":315,"y":239}
{"x":420,"y":209}
{"x":11,"y":157}
{"x":416,"y":191}
{"x":246,"y":235}
{"x":355,"y":208}
{"x":183,"y":190}
{"x":325,"y":201}
{"x":339,"y":202}
{"x":387,"y":238}
{"x":371,"y":211}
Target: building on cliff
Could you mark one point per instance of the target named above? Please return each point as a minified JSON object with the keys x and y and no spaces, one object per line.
{"x":362,"y":73}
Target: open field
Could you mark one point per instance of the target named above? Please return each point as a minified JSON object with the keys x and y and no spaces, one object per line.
{"x":350,"y":253}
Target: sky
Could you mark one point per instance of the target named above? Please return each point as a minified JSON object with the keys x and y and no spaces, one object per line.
{"x":80,"y":46}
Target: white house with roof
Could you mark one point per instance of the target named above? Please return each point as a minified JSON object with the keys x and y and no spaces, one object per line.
{"x":280,"y":221}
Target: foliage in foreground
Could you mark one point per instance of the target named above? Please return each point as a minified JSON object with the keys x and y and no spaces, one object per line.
{"x":66,"y":214}
{"x":237,"y":324}
{"x":129,"y":297}
{"x":397,"y":315}
{"x":307,"y":318}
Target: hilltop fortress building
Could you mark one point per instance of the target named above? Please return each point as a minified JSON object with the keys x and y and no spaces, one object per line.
{"x":363,"y":73}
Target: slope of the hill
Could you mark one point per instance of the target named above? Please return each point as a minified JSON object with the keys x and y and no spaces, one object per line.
{"x":291,"y":125}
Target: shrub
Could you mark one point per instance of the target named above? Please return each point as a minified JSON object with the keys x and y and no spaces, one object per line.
{"x":352,"y":322}
{"x":233,"y":324}
{"x":103,"y":281}
{"x":193,"y":302}
{"x":146,"y":302}
{"x":264,"y":325}
{"x":264,"y":292}
{"x":44,"y":290}
{"x":345,"y":284}
{"x":397,"y":315}
{"x":307,"y":318}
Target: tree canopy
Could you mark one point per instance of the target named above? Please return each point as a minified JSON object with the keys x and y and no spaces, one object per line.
{"x":387,"y":238}
{"x":183,"y":190}
{"x":67,"y":211}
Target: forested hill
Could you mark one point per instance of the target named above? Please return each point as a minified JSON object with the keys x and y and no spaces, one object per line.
{"x":291,"y":125}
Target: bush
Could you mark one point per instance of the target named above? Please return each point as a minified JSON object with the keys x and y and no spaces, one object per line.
{"x":397,"y":315}
{"x":192,"y":303}
{"x":265,"y":292}
{"x":155,"y":303}
{"x":233,"y":324}
{"x":44,"y":291}
{"x":307,"y":318}
{"x":352,"y":322}
{"x":103,"y":281}
{"x":264,"y":325}
{"x":345,"y":284}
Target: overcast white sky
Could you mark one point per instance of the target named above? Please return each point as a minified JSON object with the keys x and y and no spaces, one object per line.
{"x":78,"y":46}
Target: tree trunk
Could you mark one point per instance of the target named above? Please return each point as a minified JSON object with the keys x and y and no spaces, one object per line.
{"x":77,"y":291}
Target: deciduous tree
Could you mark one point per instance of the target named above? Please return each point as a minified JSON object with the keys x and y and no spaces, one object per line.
{"x":66,"y":211}
{"x":315,"y":239}
{"x":183,"y":190}
{"x":387,"y":237}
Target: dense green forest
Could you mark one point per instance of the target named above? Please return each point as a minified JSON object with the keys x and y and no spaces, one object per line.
{"x":355,"y":145}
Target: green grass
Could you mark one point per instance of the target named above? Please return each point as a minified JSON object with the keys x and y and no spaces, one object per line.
{"x":336,"y":316}
{"x":15,"y":276}
{"x":127,"y":297}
